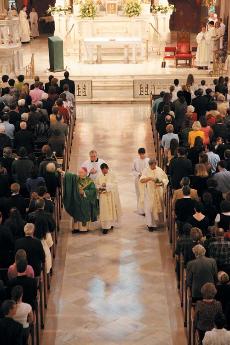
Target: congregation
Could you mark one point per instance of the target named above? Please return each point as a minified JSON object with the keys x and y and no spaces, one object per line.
{"x":35,"y":124}
{"x":192,"y":122}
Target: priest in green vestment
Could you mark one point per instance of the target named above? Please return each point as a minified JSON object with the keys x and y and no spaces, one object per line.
{"x":80,"y":200}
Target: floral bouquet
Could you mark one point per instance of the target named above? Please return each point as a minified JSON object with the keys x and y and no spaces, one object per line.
{"x":88,"y":9}
{"x":132,"y":8}
{"x":59,"y":9}
{"x":158,"y":182}
{"x":162,"y":9}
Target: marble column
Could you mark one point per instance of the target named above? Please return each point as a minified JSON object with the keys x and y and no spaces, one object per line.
{"x":2,"y":6}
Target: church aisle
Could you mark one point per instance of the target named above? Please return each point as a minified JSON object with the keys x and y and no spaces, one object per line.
{"x":120,"y":288}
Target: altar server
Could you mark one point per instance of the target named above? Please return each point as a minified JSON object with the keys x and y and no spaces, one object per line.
{"x":223,"y":28}
{"x":92,"y":165}
{"x":109,"y":201}
{"x":153,"y":185}
{"x":203,"y":54}
{"x":139,"y":164}
{"x":24,"y":26}
{"x":34,"y":23}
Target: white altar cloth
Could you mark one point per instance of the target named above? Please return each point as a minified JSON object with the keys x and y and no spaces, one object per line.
{"x":114,"y":42}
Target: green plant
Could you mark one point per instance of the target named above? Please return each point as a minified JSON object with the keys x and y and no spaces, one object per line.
{"x":132,"y":8}
{"x":88,"y":9}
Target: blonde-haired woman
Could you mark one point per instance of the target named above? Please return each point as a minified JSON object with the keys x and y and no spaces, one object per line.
{"x":196,"y":132}
{"x":200,"y":178}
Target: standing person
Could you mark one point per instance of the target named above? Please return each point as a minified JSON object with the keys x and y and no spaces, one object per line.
{"x":11,"y":331}
{"x":180,"y":108}
{"x":202,"y":55}
{"x":92,"y":165}
{"x":223,"y":28}
{"x":34,"y":23}
{"x":179,"y":167}
{"x":67,"y":81}
{"x":139,"y":164}
{"x":109,"y":201}
{"x":218,"y":335}
{"x":24,"y":313}
{"x":153,"y":184}
{"x":24,"y":26}
{"x":80,"y":200}
{"x":200,"y":271}
{"x":211,"y":35}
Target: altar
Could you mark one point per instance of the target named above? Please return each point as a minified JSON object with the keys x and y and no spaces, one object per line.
{"x":112,"y":34}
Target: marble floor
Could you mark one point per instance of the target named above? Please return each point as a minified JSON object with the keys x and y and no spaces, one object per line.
{"x":118,"y":289}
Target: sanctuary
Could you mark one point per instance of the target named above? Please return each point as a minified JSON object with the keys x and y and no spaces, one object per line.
{"x":94,"y":29}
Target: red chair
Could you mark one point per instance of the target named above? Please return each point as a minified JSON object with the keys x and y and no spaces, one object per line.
{"x":170,"y":53}
{"x":183,"y":52}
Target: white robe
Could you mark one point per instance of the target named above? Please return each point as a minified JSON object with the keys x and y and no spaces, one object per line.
{"x":109,"y":201}
{"x":203,"y":53}
{"x":223,"y":28}
{"x":90,"y":165}
{"x":24,"y":27}
{"x":34,"y":24}
{"x":138,"y":166}
{"x":227,"y":65}
{"x":152,"y":195}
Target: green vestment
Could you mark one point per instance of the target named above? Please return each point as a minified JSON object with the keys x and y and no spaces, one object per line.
{"x":81,"y":208}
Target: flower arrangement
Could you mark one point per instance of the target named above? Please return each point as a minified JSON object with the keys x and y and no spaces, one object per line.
{"x":163,"y":9}
{"x":132,"y":8}
{"x":88,"y":9}
{"x":59,"y":9}
{"x":208,"y":3}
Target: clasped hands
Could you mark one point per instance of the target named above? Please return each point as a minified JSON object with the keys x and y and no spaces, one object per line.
{"x":93,"y":171}
{"x":102,"y":188}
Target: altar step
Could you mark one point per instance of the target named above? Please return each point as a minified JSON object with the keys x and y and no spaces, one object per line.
{"x":120,"y":89}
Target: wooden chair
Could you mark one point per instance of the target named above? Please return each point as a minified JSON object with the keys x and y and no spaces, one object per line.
{"x":169,"y":53}
{"x":183,"y":52}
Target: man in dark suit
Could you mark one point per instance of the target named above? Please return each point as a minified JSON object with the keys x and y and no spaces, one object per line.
{"x":41,"y":215}
{"x":184,"y":208}
{"x":24,"y":138}
{"x":11,"y":332}
{"x":16,"y":200}
{"x":68,"y":82}
{"x":33,"y":248}
{"x":200,"y":271}
{"x":28,"y":284}
{"x":200,"y":103}
{"x":179,"y":167}
{"x":47,"y":85}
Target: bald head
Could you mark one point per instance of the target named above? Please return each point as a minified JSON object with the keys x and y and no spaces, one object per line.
{"x":82,"y":172}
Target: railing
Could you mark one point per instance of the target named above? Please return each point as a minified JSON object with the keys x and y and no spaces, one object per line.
{"x":184,"y":293}
{"x":159,"y":38}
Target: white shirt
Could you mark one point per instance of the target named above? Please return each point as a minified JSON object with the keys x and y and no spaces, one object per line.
{"x":139,"y":165}
{"x":90,"y":165}
{"x":22,"y":312}
{"x":217,"y":337}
